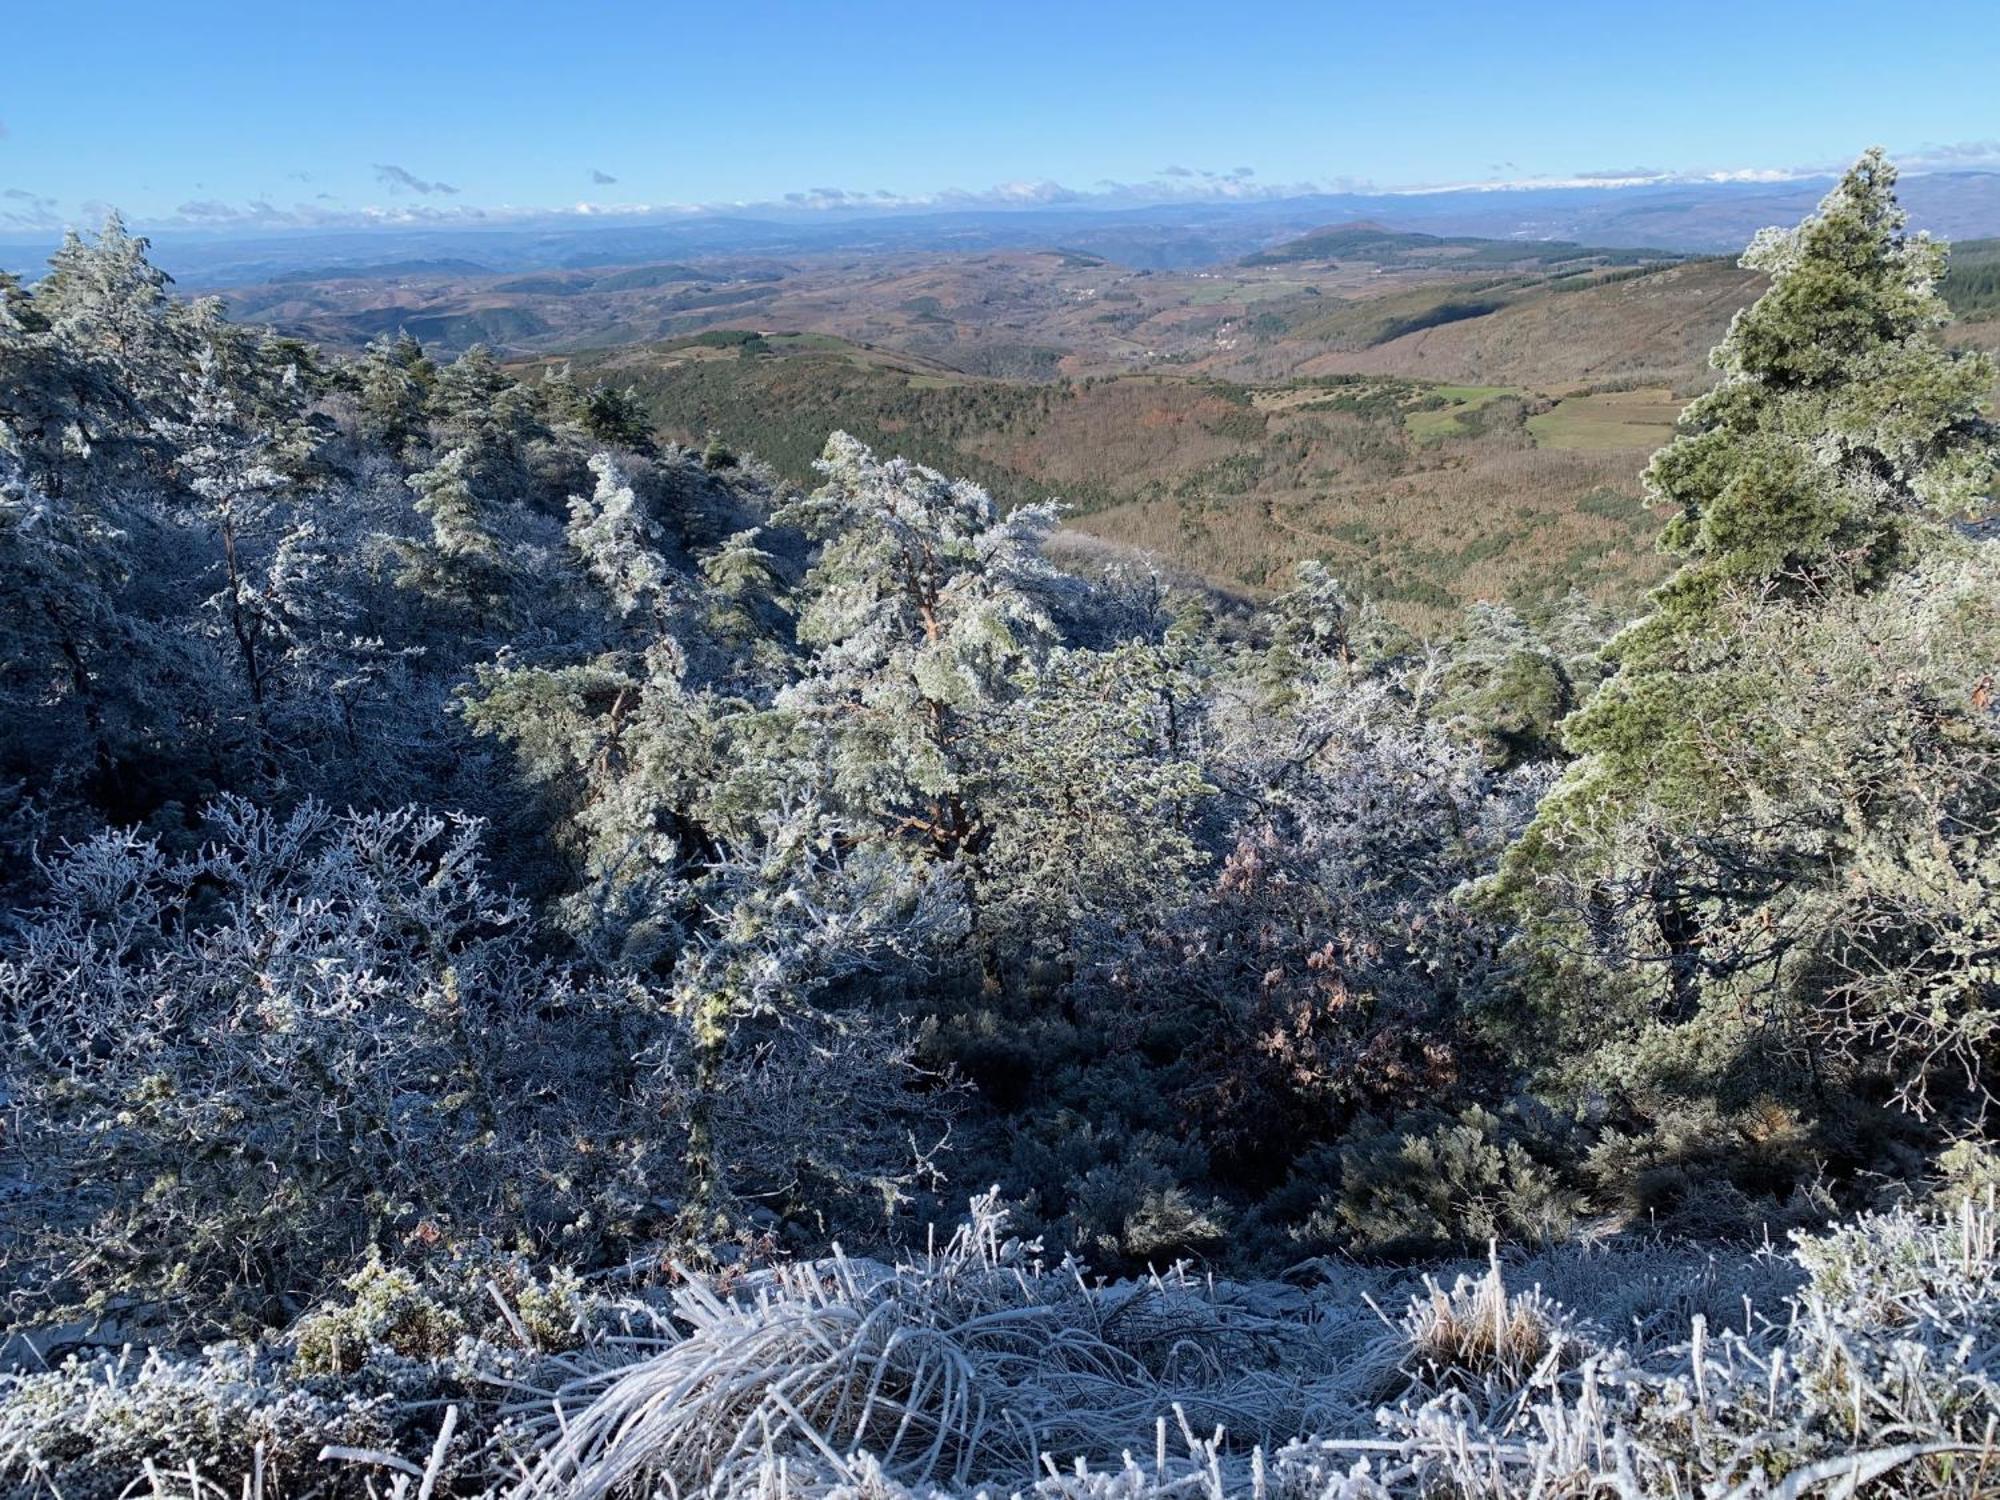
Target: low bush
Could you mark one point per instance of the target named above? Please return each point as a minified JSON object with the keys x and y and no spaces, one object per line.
{"x":1450,"y":1184}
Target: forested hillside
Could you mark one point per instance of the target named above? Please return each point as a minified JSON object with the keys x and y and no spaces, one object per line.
{"x":523,"y":937}
{"x":1424,"y":497}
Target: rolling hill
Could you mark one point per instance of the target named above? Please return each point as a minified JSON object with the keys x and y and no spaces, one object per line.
{"x":1549,"y":333}
{"x":1424,"y":495}
{"x":1375,"y":243}
{"x":1440,"y":417}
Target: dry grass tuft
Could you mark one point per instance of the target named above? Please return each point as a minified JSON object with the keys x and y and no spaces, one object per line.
{"x":1479,"y":1333}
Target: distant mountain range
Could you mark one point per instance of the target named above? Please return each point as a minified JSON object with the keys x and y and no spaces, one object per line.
{"x":1703,"y":217}
{"x":1374,"y":243}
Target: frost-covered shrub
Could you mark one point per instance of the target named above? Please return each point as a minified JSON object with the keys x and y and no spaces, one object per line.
{"x":1699,"y":1169}
{"x":459,"y":1311}
{"x":401,"y":1368}
{"x":1441,"y":1184}
{"x":239,"y":1065}
{"x":388,"y":1310}
{"x":1966,"y":1170}
{"x":1136,"y":1214}
{"x":1330,"y":952}
{"x":1122,"y":1199}
{"x":88,"y":1429}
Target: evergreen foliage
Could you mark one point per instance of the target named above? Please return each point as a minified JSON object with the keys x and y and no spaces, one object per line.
{"x":1794,"y":754}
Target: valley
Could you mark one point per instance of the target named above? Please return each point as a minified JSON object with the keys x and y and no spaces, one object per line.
{"x":1438,"y":418}
{"x":1424,"y":496}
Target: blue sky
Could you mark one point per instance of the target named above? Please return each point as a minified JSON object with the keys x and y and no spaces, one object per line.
{"x":304,"y":112}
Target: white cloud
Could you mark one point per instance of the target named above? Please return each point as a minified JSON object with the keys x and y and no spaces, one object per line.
{"x":1173,"y":185}
{"x":1614,"y":178}
{"x":1955,"y":154}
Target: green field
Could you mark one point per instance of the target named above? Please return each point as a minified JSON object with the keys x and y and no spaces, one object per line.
{"x":1619,"y":419}
{"x":1443,"y":421}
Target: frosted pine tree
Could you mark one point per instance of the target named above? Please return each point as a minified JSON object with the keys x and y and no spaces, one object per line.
{"x":1786,"y":753}
{"x":107,"y":298}
{"x":635,"y":739}
{"x":93,"y":366}
{"x":65,"y":633}
{"x":925,"y":609}
{"x":747,"y":607}
{"x":237,"y":495}
{"x":619,"y":544}
{"x":392,"y":382}
{"x":462,"y":562}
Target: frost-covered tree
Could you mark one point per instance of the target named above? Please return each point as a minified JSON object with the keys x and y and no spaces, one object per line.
{"x":272,"y":383}
{"x":603,"y":414}
{"x":462,"y":563}
{"x":616,"y":415}
{"x":91,"y":362}
{"x":638,"y":741}
{"x":66,"y":639}
{"x":1317,"y":627}
{"x":393,"y":382}
{"x":473,"y":398}
{"x":239,"y":497}
{"x":124,"y":445}
{"x":499,"y":423}
{"x":746,"y":596}
{"x":712,"y":872}
{"x":647,"y":773}
{"x":1096,"y":795}
{"x":620,"y":544}
{"x":1783,"y":742}
{"x":109,"y":298}
{"x":924,"y":611}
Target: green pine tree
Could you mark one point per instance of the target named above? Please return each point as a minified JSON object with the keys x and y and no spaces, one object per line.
{"x":1777,"y":733}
